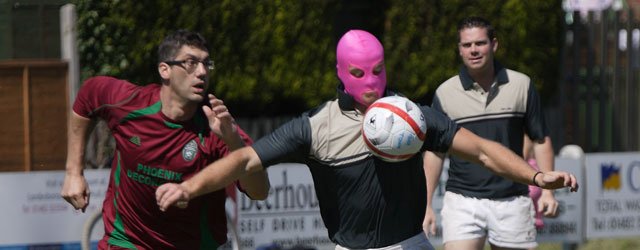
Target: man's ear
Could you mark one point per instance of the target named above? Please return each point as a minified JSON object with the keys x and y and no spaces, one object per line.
{"x":495,"y":44}
{"x":164,"y":71}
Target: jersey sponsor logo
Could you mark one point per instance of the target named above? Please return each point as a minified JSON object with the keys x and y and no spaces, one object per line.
{"x":153,"y":176}
{"x":190,"y":150}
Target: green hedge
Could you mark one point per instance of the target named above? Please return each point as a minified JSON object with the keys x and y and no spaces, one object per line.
{"x":278,"y":57}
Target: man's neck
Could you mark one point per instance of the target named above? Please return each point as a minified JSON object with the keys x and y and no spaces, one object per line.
{"x":174,"y":108}
{"x":484,"y":77}
{"x":359,"y":107}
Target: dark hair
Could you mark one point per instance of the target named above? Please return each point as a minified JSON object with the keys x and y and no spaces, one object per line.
{"x":476,"y":22}
{"x":173,"y":42}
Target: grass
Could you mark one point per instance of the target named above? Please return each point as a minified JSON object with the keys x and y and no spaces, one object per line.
{"x":597,"y":244}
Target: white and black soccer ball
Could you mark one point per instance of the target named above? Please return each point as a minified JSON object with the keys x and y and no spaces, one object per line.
{"x":394,"y":128}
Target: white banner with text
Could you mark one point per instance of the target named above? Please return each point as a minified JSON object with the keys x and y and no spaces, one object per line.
{"x":613,"y":195}
{"x":606,"y":206}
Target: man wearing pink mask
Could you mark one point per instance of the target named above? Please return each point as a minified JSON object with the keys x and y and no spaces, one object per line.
{"x":365,"y":203}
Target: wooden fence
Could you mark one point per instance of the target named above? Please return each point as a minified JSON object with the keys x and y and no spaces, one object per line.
{"x":34,"y":108}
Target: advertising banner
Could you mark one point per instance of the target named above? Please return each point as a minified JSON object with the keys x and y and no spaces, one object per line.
{"x":613,"y":200}
{"x":568,"y":225}
{"x":34,"y":213}
{"x":289,"y":217}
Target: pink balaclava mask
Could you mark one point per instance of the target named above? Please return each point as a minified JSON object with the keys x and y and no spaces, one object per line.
{"x":359,"y":49}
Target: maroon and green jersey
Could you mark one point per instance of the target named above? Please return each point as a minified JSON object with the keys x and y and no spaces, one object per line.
{"x":152,"y":149}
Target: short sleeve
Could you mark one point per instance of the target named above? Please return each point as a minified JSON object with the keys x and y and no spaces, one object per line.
{"x":440,"y":131}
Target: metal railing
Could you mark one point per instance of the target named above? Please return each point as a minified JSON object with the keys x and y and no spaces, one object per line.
{"x":597,"y":101}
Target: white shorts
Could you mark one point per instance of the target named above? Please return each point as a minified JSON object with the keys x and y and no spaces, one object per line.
{"x":418,"y":242}
{"x":508,"y":222}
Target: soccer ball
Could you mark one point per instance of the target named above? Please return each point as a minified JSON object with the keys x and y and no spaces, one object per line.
{"x":394,"y":128}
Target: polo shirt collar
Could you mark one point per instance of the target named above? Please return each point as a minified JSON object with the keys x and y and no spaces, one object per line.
{"x":500,"y":73}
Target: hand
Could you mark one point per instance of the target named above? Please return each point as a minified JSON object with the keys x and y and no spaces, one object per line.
{"x":220,"y":120}
{"x":429,"y":223}
{"x":170,"y":194}
{"x":548,"y":204}
{"x":557,"y":179}
{"x":76,"y":191}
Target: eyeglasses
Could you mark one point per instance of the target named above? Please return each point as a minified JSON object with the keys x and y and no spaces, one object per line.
{"x":190,"y":65}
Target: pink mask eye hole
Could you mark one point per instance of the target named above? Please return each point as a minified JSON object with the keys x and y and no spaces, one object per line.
{"x":356,"y":72}
{"x":378,"y":69}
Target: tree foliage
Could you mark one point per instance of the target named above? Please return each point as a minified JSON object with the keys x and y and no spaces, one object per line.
{"x":421,"y":40}
{"x":278,"y":57}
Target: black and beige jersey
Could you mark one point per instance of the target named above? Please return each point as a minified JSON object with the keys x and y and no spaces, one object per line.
{"x":503,"y":114}
{"x":364,"y":201}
